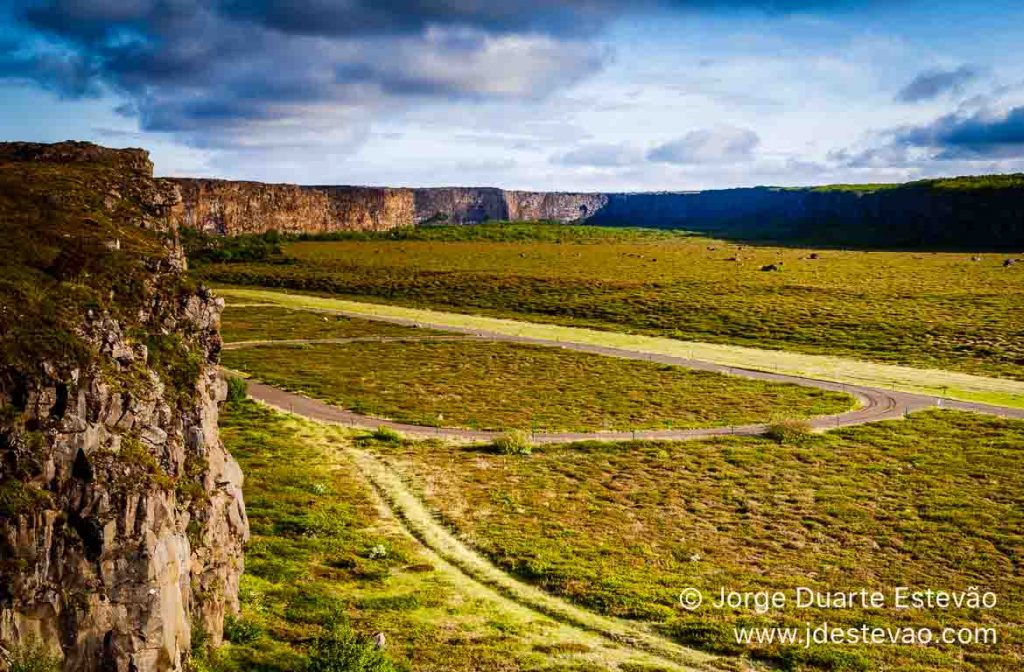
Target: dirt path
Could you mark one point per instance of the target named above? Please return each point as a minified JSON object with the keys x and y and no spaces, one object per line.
{"x":620,"y":638}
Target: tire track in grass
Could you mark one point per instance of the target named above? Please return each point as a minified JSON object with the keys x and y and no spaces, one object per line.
{"x":615,"y":634}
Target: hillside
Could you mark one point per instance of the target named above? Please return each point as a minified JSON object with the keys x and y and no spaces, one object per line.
{"x":121,"y":514}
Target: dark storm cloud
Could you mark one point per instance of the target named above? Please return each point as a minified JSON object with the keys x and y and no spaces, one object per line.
{"x":931,"y":84}
{"x":977,"y":135}
{"x":216,"y":69}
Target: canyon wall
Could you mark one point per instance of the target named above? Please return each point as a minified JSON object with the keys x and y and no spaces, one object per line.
{"x":961,"y":212}
{"x":121,"y":514}
{"x":231,"y":208}
{"x":986,"y":212}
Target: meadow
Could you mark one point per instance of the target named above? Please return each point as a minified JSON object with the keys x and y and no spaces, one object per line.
{"x":327,"y":568}
{"x":492,"y":385}
{"x":272,"y":323}
{"x":955,"y":311}
{"x":933,"y":501}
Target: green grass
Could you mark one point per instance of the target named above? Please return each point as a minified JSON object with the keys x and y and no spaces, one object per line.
{"x":935,"y":501}
{"x":923,"y":310}
{"x":954,"y":385}
{"x":506,"y":232}
{"x":324,"y":558}
{"x":488,"y":385}
{"x":259,"y":323}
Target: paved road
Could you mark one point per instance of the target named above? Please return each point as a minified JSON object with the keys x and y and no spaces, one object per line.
{"x":875,"y":404}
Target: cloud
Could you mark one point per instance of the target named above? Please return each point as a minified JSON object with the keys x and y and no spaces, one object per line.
{"x":982,"y":134}
{"x":725,"y":144}
{"x":931,"y":84}
{"x":218,"y":73}
{"x":600,"y":155}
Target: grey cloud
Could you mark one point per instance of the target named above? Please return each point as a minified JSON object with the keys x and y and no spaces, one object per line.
{"x":980,"y":134}
{"x":931,"y":84}
{"x":600,"y":155}
{"x":219,"y":69}
{"x":214,"y":71}
{"x":717,"y":145}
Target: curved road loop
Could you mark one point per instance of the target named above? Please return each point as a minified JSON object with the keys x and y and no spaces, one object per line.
{"x":874,"y":404}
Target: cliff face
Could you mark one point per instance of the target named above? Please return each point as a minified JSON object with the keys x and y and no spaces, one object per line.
{"x":121,"y":514}
{"x":928,"y":213}
{"x":553,"y":206}
{"x":231,"y":208}
{"x":922,"y":213}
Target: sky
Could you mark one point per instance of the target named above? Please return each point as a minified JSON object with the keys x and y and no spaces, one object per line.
{"x":563,"y":95}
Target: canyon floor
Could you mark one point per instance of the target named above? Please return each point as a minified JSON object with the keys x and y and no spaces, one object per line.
{"x":573,"y":557}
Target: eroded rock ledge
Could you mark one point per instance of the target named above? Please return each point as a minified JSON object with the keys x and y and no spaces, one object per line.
{"x":121,"y":514}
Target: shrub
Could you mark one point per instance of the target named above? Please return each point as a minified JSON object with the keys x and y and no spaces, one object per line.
{"x":515,"y":442}
{"x":238,"y":389}
{"x":240,"y":631}
{"x":17,"y":498}
{"x":343,"y":651}
{"x":33,"y":656}
{"x":789,"y":431}
{"x":386,"y":435}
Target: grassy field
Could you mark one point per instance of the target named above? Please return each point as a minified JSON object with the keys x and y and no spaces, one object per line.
{"x":952,"y":384}
{"x":259,"y":323}
{"x":935,"y":501}
{"x":324,"y":564}
{"x":912,"y":308}
{"x":488,"y":385}
{"x":507,"y":232}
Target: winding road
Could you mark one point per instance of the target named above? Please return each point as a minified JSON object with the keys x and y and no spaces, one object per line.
{"x":617,"y":638}
{"x":874,"y":404}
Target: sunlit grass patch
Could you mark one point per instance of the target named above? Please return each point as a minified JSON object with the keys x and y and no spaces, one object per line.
{"x":933,"y":501}
{"x":499,"y":386}
{"x":326,"y":564}
{"x":936,"y":311}
{"x":259,"y":323}
{"x":952,"y":384}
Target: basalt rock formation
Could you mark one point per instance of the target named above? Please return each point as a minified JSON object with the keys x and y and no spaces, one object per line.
{"x":121,"y":514}
{"x":979,"y":212}
{"x":970,"y":212}
{"x":230,"y":208}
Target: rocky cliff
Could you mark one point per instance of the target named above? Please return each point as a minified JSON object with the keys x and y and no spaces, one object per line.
{"x":230,"y":208}
{"x":121,"y":514}
{"x":972,"y":212}
{"x":983,"y":212}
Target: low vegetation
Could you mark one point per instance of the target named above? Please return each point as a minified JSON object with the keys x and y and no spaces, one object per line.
{"x":920,"y":309}
{"x":516,"y":442}
{"x":505,"y":232}
{"x":237,"y":388}
{"x":934,"y":501}
{"x":31,"y":656}
{"x":788,"y":431}
{"x":257,"y":323}
{"x":203,"y":248}
{"x":500,"y":386}
{"x":326,"y":571}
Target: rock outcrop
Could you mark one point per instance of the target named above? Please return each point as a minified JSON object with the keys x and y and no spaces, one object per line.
{"x":121,"y":514}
